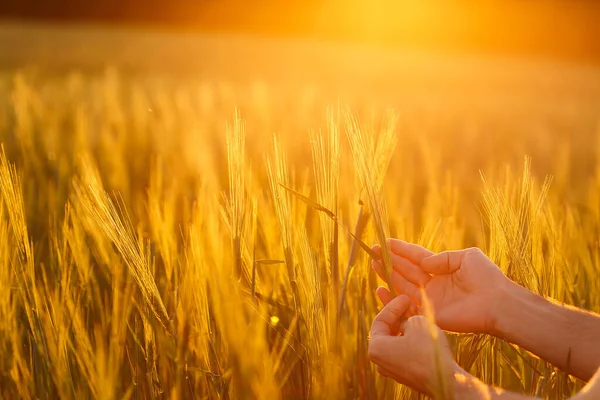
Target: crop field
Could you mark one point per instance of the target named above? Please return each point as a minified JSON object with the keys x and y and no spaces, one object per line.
{"x":181,"y":216}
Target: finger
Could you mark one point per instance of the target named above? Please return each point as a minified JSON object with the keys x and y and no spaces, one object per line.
{"x":420,"y":325}
{"x":406,"y":268}
{"x":378,"y":267}
{"x":413,"y":252}
{"x":378,"y":252}
{"x":376,"y":249}
{"x":388,"y":318}
{"x":384,"y":371}
{"x":415,"y":323}
{"x":413,"y":309}
{"x":402,"y":286}
{"x":385,"y":296}
{"x":410,"y":271}
{"x":445,"y":262}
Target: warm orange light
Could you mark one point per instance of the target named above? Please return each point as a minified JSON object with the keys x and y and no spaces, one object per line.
{"x":482,"y":25}
{"x":553,"y":27}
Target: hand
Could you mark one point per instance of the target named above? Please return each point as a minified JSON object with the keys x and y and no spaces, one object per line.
{"x":410,"y":359}
{"x":464,"y":286}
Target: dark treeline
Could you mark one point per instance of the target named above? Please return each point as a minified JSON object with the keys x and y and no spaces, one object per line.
{"x":181,"y":13}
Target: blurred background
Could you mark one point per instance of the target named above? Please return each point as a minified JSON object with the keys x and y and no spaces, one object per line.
{"x":470,"y":72}
{"x":150,"y":89}
{"x":551,"y":28}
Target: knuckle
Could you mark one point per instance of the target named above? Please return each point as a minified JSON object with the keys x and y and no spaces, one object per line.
{"x":419,"y":319}
{"x":372,"y":351}
{"x":415,"y":322}
{"x":475,"y":250}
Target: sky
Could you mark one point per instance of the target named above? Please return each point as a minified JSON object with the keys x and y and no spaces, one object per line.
{"x":564,"y":29}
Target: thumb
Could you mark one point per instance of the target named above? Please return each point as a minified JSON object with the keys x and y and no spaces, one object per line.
{"x":390,"y":316}
{"x":445,"y":262}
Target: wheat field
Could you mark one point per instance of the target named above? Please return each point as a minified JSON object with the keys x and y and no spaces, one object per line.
{"x":191,"y":237}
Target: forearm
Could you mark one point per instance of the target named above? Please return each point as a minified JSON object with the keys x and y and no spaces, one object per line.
{"x":466,"y":387}
{"x":564,"y":336}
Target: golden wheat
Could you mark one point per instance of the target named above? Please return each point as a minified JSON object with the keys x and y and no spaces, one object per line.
{"x":146,"y":251}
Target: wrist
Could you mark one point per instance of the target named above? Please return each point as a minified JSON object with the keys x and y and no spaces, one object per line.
{"x":497,"y":314}
{"x":509,"y":300}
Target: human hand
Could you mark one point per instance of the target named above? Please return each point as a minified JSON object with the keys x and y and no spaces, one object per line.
{"x":420,"y":357}
{"x":464,"y":286}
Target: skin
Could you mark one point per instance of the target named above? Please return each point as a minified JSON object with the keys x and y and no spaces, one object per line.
{"x":403,"y":348}
{"x":469,"y":293}
{"x":396,"y":338}
{"x":463,"y":286}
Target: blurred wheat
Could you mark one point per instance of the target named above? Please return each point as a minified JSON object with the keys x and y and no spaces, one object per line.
{"x":151,"y":245}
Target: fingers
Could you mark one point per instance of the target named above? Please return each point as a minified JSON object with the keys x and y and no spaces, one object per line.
{"x":385,"y":322}
{"x":385,"y":296}
{"x":400,"y":284}
{"x":420,"y":325}
{"x":445,"y":262}
{"x":410,"y":271}
{"x":378,"y":267}
{"x":413,"y":309}
{"x":410,"y":251}
{"x":403,"y":286}
{"x":384,"y":371}
{"x":414,"y":323}
{"x":405,"y":258}
{"x":405,"y":267}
